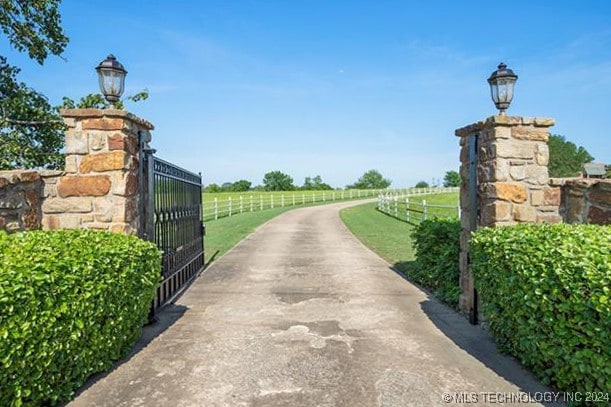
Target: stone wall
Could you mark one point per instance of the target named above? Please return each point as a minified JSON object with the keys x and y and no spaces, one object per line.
{"x":20,"y":200}
{"x":99,"y":186}
{"x":585,"y":200}
{"x":512,"y":182}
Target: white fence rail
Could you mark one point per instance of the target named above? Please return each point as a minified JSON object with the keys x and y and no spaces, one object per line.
{"x":400,"y":207}
{"x":217,"y":208}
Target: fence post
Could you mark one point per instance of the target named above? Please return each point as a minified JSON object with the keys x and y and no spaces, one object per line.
{"x":251,"y":203}
{"x":324,"y":198}
{"x":261,"y":202}
{"x":241,"y":204}
{"x":458,"y":211}
{"x":407,"y":209}
{"x":216,"y":208}
{"x":314,"y":197}
{"x":396,"y":207}
{"x":293,"y":199}
{"x":303,"y":199}
{"x":342,"y":194}
{"x":282,"y":200}
{"x":424,"y":209}
{"x":334,"y":195}
{"x":272,"y":201}
{"x":229,"y":206}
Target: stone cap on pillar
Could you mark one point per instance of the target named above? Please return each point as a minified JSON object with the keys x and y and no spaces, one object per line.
{"x":106,"y":117}
{"x":503,"y":120}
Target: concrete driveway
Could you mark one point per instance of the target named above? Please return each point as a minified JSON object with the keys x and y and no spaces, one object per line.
{"x":302,"y":314}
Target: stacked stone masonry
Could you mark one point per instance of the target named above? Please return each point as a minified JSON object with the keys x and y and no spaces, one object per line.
{"x":99,"y":187}
{"x":584,"y":200}
{"x":512,"y":181}
{"x":21,"y":194}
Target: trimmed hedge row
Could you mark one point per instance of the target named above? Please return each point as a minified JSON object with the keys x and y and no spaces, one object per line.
{"x":71,"y":303}
{"x":545,"y":290}
{"x":437,"y":243}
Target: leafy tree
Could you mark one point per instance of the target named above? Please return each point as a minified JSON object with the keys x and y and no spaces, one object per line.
{"x":31,"y":131}
{"x":315,"y":184}
{"x":372,"y":179}
{"x":278,"y":181}
{"x":422,"y":184}
{"x":213,"y":188}
{"x":565,"y":158}
{"x":451,"y":179}
{"x":241,"y":186}
{"x":319,"y":185}
{"x":34,"y":27}
{"x":97,"y":101}
{"x":308,"y":185}
{"x":227,"y":187}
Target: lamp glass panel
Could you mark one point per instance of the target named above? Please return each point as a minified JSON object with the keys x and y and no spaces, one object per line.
{"x":505,"y":90}
{"x":494,"y":92}
{"x":111,"y":83}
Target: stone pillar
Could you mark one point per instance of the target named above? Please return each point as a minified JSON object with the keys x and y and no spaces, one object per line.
{"x":99,"y":188}
{"x":512,"y":182}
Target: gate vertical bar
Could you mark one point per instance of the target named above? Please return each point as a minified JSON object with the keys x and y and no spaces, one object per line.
{"x":473,"y":208}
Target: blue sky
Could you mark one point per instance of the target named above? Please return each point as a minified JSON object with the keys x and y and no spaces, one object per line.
{"x":334,"y":88}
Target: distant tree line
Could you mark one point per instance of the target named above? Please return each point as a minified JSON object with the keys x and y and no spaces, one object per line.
{"x":565,"y":160}
{"x":280,"y":181}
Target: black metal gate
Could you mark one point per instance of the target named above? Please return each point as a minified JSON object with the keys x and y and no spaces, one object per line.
{"x":176,"y":225}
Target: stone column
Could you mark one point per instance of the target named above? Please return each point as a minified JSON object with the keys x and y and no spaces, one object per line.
{"x":99,"y":188}
{"x":512,"y":182}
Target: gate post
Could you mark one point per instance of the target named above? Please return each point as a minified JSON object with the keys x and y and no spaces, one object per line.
{"x":147,"y":205}
{"x":101,"y":185}
{"x":504,"y":181}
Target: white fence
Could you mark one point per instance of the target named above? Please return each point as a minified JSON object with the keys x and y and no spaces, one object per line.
{"x":252,"y":202}
{"x":399,"y":206}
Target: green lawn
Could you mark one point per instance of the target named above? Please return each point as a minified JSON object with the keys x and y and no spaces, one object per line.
{"x":224,"y":233}
{"x":385,"y":235}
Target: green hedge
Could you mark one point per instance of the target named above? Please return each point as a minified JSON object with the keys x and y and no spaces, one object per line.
{"x":71,"y":303}
{"x":544,"y":290}
{"x":437,"y":243}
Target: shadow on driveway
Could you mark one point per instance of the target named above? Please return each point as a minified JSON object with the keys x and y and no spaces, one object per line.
{"x":164,"y":320}
{"x":476,"y":341}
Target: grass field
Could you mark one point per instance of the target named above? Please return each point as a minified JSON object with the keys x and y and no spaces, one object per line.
{"x":224,"y":233}
{"x":390,"y":238}
{"x":385,"y":235}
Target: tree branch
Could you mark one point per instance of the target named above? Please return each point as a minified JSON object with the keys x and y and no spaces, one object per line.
{"x":30,"y":122}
